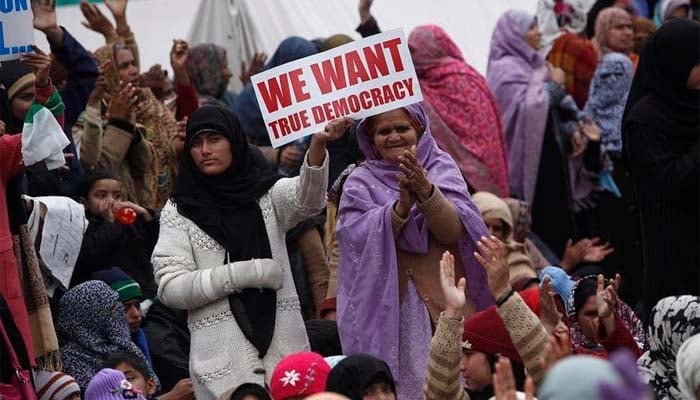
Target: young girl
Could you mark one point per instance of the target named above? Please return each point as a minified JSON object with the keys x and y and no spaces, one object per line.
{"x":109,"y":241}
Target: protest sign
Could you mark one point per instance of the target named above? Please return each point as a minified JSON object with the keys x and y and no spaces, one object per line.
{"x":16,"y":29}
{"x":357,"y":80}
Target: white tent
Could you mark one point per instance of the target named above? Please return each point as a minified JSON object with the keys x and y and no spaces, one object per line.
{"x":247,"y":26}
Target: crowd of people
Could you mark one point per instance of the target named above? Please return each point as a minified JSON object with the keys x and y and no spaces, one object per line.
{"x":530,"y":233}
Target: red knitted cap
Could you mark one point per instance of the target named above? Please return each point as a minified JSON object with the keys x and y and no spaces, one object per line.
{"x":486,"y":333}
{"x":299,"y":374}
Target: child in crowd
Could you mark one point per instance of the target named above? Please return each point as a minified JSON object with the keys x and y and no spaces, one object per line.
{"x":139,"y":375}
{"x":110,"y":384}
{"x":130,"y":296}
{"x":55,"y":386}
{"x":111,"y":239}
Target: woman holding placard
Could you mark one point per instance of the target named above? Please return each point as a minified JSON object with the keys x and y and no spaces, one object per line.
{"x":400,"y":210}
{"x":221,"y":253}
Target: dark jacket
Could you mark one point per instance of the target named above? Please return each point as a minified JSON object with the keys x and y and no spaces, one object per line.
{"x":81,"y":76}
{"x":129,"y":247}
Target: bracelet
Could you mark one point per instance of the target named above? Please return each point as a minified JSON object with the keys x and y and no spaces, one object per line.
{"x":505,"y":297}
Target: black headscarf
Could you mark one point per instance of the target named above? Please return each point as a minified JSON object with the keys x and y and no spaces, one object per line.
{"x":250,"y":389}
{"x":10,"y":73}
{"x":356,"y":373}
{"x":225,"y":207}
{"x":597,"y":7}
{"x":659,"y":96}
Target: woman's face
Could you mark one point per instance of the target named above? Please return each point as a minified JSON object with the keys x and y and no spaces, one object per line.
{"x":211,"y":153}
{"x":126,"y":66}
{"x":475,"y":369}
{"x":379,"y":391}
{"x":640,"y":39}
{"x":533,"y":37}
{"x":621,"y":38}
{"x":496,"y":227}
{"x":679,"y":13}
{"x":694,"y":78}
{"x":22,"y":101}
{"x":588,"y":319}
{"x":393,"y":134}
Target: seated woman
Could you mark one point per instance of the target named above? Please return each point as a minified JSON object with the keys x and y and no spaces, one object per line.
{"x":472,"y":346}
{"x":498,"y":219}
{"x":91,"y":326}
{"x":362,"y":377}
{"x":221,"y":253}
{"x":399,"y":211}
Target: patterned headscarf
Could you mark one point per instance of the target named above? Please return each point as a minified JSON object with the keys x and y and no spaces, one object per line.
{"x":673,"y":321}
{"x":160,"y":125}
{"x":91,"y":326}
{"x":608,"y":96}
{"x":522,"y":218}
{"x":204,"y":65}
{"x":604,"y":23}
{"x":622,"y":310}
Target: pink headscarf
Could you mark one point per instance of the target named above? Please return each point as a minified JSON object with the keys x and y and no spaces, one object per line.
{"x":604,"y":23}
{"x":463,"y":112}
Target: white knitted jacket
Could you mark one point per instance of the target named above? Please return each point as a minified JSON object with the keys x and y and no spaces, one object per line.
{"x":185,"y":261}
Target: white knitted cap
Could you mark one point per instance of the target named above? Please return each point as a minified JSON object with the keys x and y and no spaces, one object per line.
{"x":54,"y":385}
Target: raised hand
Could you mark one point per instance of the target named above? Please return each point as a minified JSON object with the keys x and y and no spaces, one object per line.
{"x":256,"y":65}
{"x":179,"y":54}
{"x":117,"y":7}
{"x":96,"y":20}
{"x":40,"y":62}
{"x":597,"y":252}
{"x":335,"y":129}
{"x":123,"y":103}
{"x":413,"y":177}
{"x":606,"y":300}
{"x":493,"y":256}
{"x":455,"y":296}
{"x":558,"y":346}
{"x":573,"y":254}
{"x":504,"y":382}
{"x":364,"y":9}
{"x":44,"y":15}
{"x":549,"y":315}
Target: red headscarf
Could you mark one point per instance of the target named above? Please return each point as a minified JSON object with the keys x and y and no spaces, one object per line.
{"x":464,"y":116}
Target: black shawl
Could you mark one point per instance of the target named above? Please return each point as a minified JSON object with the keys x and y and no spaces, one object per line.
{"x":225,"y":207}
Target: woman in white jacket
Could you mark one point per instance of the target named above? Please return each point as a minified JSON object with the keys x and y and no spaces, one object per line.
{"x":221,"y":254}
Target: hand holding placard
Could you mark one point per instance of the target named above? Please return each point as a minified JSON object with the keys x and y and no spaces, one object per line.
{"x":357,"y":80}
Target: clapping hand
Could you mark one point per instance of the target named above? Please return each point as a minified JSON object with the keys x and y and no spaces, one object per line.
{"x":413,"y":177}
{"x":492,"y":255}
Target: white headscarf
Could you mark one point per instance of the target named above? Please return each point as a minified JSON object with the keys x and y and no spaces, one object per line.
{"x":688,"y":366}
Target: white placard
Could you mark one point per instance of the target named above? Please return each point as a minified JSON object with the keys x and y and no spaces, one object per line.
{"x":357,"y":80}
{"x":16,"y":29}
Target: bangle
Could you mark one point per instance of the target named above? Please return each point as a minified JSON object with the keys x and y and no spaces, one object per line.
{"x":505,"y":297}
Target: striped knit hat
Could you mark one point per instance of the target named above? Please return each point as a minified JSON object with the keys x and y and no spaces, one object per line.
{"x":125,"y":286}
{"x":54,"y":385}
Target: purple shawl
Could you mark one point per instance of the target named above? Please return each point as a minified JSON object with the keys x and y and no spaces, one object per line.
{"x":368,"y":282}
{"x":516,"y":75}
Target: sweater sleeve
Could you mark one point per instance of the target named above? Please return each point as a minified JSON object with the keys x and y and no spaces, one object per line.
{"x":49,"y":97}
{"x":302,"y":197}
{"x":10,"y":157}
{"x":620,"y":338}
{"x":187,"y":100}
{"x":115,"y":145}
{"x":180,"y":284}
{"x":443,"y":220}
{"x":91,"y":138}
{"x":442,"y":381}
{"x":526,"y":332}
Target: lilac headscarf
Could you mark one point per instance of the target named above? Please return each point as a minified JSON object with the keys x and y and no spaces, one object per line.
{"x":368,"y":282}
{"x":516,"y":75}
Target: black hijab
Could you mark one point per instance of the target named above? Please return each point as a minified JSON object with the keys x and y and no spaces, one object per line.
{"x":356,"y":373}
{"x":225,"y":207}
{"x":659,"y":96}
